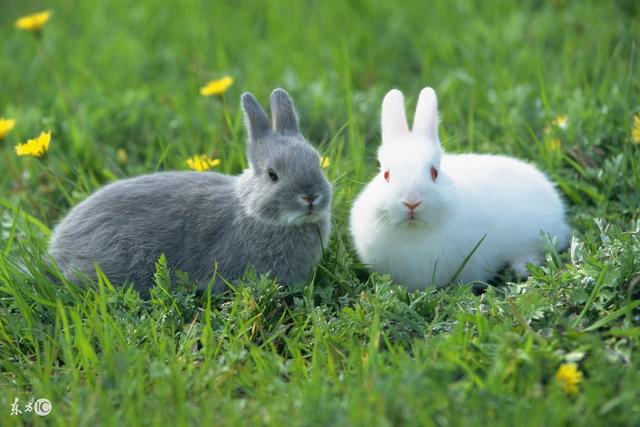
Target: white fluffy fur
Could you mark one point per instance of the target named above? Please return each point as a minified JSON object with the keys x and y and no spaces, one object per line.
{"x":474,"y":195}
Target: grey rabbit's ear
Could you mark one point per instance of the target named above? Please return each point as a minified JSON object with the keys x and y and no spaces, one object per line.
{"x":255,"y":119}
{"x":285,"y":119}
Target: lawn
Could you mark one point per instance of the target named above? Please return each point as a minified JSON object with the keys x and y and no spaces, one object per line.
{"x":117,"y":83}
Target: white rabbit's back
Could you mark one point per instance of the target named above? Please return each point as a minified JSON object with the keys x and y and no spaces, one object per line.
{"x":510,"y":195}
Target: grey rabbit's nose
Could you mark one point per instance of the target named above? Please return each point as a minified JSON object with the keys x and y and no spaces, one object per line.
{"x":310,"y":199}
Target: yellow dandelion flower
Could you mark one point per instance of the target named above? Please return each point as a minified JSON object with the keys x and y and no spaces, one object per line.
{"x":5,"y":127}
{"x":201,"y":163}
{"x":35,"y":147}
{"x":554,"y":144}
{"x":216,"y":87}
{"x":365,"y":359}
{"x":122,"y":155}
{"x":635,"y":131}
{"x":569,"y":377}
{"x":34,"y":22}
{"x":325,"y":162}
{"x":561,"y":121}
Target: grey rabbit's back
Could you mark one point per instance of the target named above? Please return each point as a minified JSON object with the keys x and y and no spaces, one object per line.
{"x":275,"y":216}
{"x":125,"y":226}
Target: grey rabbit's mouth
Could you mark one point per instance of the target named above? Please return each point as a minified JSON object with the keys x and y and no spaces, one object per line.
{"x":308,"y":217}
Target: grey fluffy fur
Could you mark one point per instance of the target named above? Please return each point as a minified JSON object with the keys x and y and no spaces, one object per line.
{"x":200,"y":219}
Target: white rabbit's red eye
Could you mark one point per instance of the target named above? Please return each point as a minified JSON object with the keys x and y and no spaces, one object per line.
{"x":386,"y":175}
{"x":434,"y":174}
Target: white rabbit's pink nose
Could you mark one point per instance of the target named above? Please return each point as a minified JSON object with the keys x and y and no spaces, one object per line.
{"x":411,"y":206}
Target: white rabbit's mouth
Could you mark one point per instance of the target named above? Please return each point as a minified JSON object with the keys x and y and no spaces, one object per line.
{"x":404,"y":219}
{"x":412,"y":221}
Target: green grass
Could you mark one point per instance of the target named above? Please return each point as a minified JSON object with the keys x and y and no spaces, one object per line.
{"x":346,"y":349}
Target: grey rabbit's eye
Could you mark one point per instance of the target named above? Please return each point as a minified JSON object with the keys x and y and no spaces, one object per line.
{"x":272,"y":175}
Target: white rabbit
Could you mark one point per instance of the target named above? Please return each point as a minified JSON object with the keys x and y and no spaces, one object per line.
{"x":425,"y":211}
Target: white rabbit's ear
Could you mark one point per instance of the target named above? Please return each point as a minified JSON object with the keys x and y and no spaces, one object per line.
{"x":425,"y":121}
{"x":394,"y":119}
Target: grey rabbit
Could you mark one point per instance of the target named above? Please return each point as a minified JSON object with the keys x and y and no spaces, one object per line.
{"x":275,"y":216}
